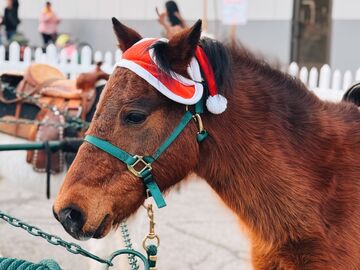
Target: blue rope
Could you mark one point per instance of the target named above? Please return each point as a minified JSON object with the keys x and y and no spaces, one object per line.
{"x":16,"y":264}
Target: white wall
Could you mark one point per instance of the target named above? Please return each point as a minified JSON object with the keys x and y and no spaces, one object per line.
{"x":270,"y":9}
{"x":192,"y":9}
{"x":145,"y":9}
{"x":346,"y":10}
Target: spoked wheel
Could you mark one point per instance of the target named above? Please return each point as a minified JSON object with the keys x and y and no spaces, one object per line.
{"x":353,"y":94}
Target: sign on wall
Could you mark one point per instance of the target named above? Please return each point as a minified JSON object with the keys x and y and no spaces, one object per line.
{"x":234,"y":12}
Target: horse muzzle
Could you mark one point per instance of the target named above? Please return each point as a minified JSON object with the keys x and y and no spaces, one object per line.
{"x":73,"y":219}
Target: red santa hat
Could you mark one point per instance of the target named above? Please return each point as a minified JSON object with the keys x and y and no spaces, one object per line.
{"x":178,"y":88}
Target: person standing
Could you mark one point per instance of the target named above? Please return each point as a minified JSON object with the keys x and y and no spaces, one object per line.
{"x":11,"y":19}
{"x":48,"y":24}
{"x":171,"y":19}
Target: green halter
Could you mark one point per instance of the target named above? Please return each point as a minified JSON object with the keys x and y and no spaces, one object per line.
{"x":135,"y":160}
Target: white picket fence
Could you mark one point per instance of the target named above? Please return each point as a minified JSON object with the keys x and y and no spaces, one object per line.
{"x":325,"y":83}
{"x":79,"y":61}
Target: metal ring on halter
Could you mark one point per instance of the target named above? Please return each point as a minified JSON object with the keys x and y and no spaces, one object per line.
{"x":151,"y":237}
{"x":198,"y":120}
{"x":148,"y":195}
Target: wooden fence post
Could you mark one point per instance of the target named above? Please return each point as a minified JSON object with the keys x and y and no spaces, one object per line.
{"x":325,"y":76}
{"x":304,"y":75}
{"x":347,"y":80}
{"x":313,"y":78}
{"x":293,"y":69}
{"x":336,"y":80}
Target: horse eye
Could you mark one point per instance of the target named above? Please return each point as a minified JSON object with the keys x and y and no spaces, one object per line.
{"x":135,"y":118}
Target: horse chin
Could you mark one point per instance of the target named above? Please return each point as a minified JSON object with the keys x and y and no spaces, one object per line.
{"x":80,"y":235}
{"x":103,"y":228}
{"x":101,"y":231}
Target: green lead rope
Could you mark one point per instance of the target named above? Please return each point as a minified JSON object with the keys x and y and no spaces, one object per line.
{"x":151,"y":252}
{"x":16,"y":264}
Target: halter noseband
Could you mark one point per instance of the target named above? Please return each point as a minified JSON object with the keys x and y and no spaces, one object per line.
{"x":145,"y":161}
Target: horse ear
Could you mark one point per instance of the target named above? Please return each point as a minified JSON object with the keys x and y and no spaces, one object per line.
{"x":182,"y":46}
{"x":125,"y":35}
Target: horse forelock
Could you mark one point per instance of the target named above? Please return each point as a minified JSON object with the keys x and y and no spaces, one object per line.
{"x":218,"y":54}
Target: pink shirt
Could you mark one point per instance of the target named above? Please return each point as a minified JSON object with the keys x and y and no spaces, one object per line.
{"x":48,"y":23}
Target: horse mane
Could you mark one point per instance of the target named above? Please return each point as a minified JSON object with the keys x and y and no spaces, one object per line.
{"x":258,"y":64}
{"x":220,"y":59}
{"x":227,"y":57}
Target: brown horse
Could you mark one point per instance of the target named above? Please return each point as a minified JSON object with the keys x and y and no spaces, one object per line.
{"x":284,"y":161}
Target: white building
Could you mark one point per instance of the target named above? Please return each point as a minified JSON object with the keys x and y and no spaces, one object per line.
{"x":311,"y":32}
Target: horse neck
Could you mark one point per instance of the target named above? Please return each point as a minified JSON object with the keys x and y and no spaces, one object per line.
{"x":243,"y":159}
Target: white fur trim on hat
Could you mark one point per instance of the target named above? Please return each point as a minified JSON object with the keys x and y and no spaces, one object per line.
{"x":216,"y":104}
{"x":147,"y":76}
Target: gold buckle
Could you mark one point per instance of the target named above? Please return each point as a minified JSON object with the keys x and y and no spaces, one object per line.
{"x":138,"y":160}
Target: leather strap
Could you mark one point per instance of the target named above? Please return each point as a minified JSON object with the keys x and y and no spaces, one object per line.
{"x":111,"y":149}
{"x":25,"y":95}
{"x":183,"y":123}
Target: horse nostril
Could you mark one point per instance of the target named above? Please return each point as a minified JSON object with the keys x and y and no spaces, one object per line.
{"x":72,"y":219}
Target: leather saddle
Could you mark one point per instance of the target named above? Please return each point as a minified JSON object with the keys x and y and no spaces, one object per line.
{"x":52,"y":87}
{"x":47,"y":88}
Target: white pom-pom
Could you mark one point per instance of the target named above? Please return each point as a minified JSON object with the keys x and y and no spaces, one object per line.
{"x":216,"y":104}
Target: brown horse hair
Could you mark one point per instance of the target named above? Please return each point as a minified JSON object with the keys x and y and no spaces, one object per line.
{"x":285,"y":162}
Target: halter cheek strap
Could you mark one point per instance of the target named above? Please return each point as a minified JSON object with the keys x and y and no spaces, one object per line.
{"x":140,"y":166}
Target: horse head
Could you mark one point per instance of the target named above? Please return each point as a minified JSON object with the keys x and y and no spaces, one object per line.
{"x":99,"y":191}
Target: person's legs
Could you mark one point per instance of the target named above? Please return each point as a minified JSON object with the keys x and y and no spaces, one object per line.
{"x":46,"y":38}
{"x":10,"y":34}
{"x":54,"y":37}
